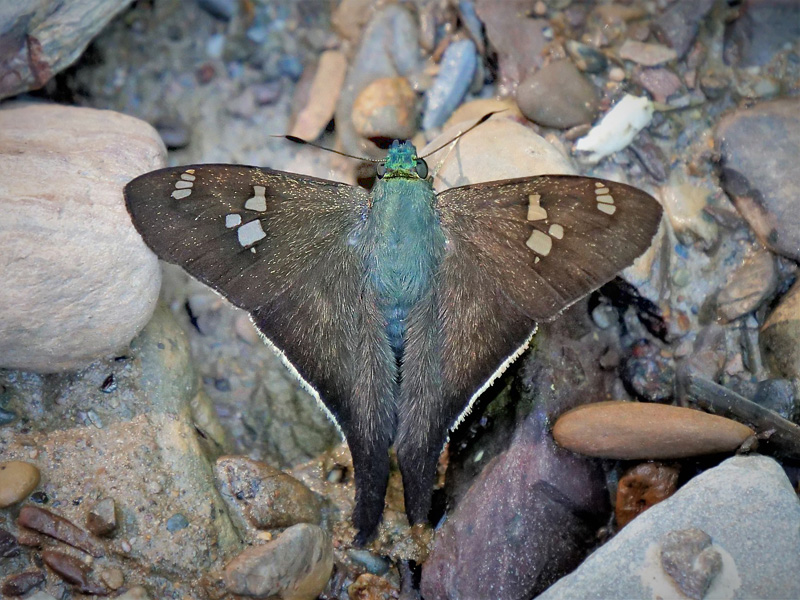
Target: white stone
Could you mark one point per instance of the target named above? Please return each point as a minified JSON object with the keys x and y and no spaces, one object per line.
{"x":617,"y":128}
{"x":499,"y":149}
{"x":78,"y":281}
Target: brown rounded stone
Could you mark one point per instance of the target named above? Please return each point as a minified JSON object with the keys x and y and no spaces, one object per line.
{"x":17,"y":480}
{"x":638,"y":430}
{"x":386,"y":108}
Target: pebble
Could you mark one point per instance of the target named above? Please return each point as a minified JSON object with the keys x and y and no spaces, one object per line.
{"x":661,"y":83}
{"x":456,"y":70}
{"x":323,"y":93}
{"x":558,"y":95}
{"x":649,"y":55}
{"x":778,"y":395}
{"x":485,"y":154}
{"x":371,"y":587}
{"x":40,"y":41}
{"x":174,"y":133}
{"x":52,"y":287}
{"x":586,"y":58}
{"x":748,"y":285}
{"x":59,"y":528}
{"x":528,"y":518}
{"x":177,"y":522}
{"x":8,"y":544}
{"x":136,"y":592}
{"x":102,"y":517}
{"x":647,"y":374}
{"x":376,"y":565}
{"x":17,"y":480}
{"x":21,"y":583}
{"x":677,"y":26}
{"x":114,"y":578}
{"x":269,"y":92}
{"x":73,"y":571}
{"x":386,"y":108}
{"x":780,"y":335}
{"x":519,"y":42}
{"x":746,"y":505}
{"x":641,"y":431}
{"x":643,"y":486}
{"x":224,"y":10}
{"x":294,"y":566}
{"x":350,"y":17}
{"x":650,"y":155}
{"x":267,"y":497}
{"x":759,"y":147}
{"x":688,"y":557}
{"x":616,"y":129}
{"x":6,"y":416}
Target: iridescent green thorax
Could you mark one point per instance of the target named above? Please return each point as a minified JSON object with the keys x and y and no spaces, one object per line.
{"x":401,"y":160}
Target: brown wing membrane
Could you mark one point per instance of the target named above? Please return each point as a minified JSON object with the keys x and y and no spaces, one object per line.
{"x":548,"y":241}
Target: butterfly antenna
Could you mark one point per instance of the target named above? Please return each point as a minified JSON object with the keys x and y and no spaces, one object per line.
{"x":296,"y":140}
{"x":480,"y":121}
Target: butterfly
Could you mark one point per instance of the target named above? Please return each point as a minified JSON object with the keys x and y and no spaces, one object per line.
{"x":395,"y":308}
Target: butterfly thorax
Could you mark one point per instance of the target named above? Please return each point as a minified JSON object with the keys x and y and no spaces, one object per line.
{"x":404,"y":242}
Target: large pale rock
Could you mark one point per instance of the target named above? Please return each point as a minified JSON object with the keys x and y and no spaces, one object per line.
{"x":499,"y":149}
{"x":41,"y":37}
{"x":78,"y":282}
{"x":748,"y":508}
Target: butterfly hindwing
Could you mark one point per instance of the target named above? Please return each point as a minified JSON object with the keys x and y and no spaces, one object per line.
{"x":518,"y":252}
{"x":281,"y":246}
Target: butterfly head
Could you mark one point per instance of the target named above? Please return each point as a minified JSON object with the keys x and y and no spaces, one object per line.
{"x":402,"y":162}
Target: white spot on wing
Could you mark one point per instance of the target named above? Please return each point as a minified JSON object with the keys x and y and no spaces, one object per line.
{"x":601,"y":190}
{"x":233,"y":220}
{"x":556,"y":230}
{"x":609,"y":209}
{"x":178,"y":194}
{"x":180,"y":185}
{"x":250,"y":233}
{"x":258,"y":202}
{"x":535,"y":211}
{"x":187,"y":177}
{"x":607,"y":198}
{"x":540,"y":242}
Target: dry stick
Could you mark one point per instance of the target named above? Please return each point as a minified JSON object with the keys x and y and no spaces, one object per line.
{"x":780,"y":433}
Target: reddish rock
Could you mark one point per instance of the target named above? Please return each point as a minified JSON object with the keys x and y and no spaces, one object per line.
{"x":73,"y":571}
{"x":48,"y":523}
{"x":643,"y":486}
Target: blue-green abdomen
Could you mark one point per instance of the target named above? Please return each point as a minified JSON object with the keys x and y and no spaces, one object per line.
{"x":408,"y":244}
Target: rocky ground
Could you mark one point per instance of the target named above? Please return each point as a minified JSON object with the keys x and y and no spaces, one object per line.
{"x":646,"y":446}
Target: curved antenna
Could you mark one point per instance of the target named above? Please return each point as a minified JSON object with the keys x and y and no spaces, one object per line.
{"x":301,"y":141}
{"x":480,"y":121}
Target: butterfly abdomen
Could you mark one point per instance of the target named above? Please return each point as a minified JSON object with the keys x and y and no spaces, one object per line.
{"x":404,"y":250}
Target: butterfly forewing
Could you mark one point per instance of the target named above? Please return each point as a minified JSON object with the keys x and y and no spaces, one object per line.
{"x":548,"y":241}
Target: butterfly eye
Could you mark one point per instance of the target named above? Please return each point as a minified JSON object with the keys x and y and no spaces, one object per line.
{"x":381,"y":170}
{"x":421,"y":168}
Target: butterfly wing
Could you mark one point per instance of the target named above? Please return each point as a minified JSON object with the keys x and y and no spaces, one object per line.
{"x":280,"y":246}
{"x":519,"y":252}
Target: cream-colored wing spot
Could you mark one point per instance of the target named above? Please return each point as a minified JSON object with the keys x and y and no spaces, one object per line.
{"x":258,"y":201}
